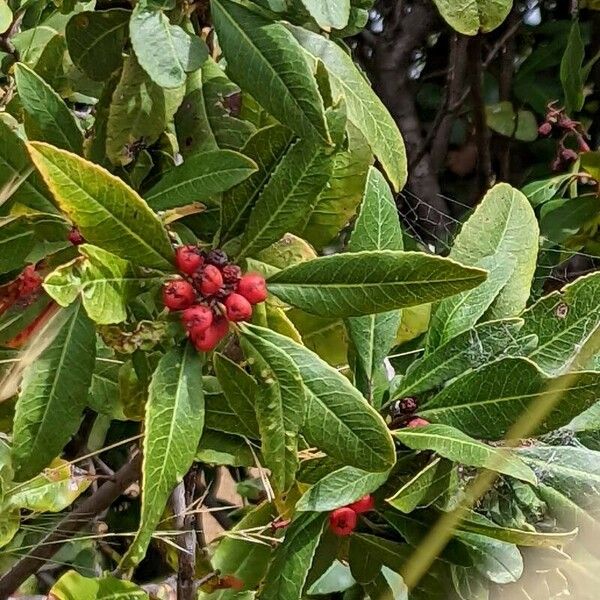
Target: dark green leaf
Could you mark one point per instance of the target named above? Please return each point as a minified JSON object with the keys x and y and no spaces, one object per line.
{"x":571,"y":74}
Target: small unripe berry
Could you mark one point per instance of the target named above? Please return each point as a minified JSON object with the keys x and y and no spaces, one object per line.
{"x":342,"y":521}
{"x":253,"y":287}
{"x":545,"y":129}
{"x":217,"y":257}
{"x":197,"y":317}
{"x":178,"y":295}
{"x":211,"y":280}
{"x":205,"y":340}
{"x":363,"y":505}
{"x":231,"y":273}
{"x":75,"y":237}
{"x":238,"y":308}
{"x":417,"y":422}
{"x":188,"y":259}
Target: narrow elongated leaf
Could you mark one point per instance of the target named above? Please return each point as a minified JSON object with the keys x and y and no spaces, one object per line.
{"x":266,"y":148}
{"x":571,"y":70}
{"x":72,"y":585}
{"x":486,"y":402}
{"x":338,"y":420}
{"x":458,"y":447}
{"x":365,"y":110}
{"x":563,"y":321}
{"x":291,"y":561}
{"x":340,"y":488}
{"x":468,"y":350}
{"x":200,"y":177}
{"x":107,"y":212}
{"x":95,"y":40}
{"x":288,"y":195}
{"x":173,"y":427}
{"x":469,"y":17}
{"x":165,"y":51}
{"x":265,"y":59}
{"x":53,"y":394}
{"x":48,"y":117}
{"x":333,"y":14}
{"x":354,"y":284}
{"x":377,"y":228}
{"x":280,"y":405}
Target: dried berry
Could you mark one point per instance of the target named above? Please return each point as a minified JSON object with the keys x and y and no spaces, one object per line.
{"x":253,"y":287}
{"x":178,"y":295}
{"x":231,"y":274}
{"x":197,"y":317}
{"x":407,"y":406}
{"x":188,"y":259}
{"x":238,"y":308}
{"x":75,"y":237}
{"x":363,"y":505}
{"x":211,"y":280}
{"x":342,"y":521}
{"x":217,"y":257}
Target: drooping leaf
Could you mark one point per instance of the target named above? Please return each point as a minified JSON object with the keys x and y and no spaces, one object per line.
{"x":340,"y":488}
{"x":453,"y":444}
{"x":470,"y":17}
{"x":173,"y":427}
{"x":165,"y":51}
{"x":53,"y":393}
{"x":107,"y":212}
{"x":48,"y":117}
{"x":486,"y":402}
{"x":279,"y":404}
{"x":199,"y":178}
{"x":266,"y":60}
{"x":288,"y":570}
{"x":73,"y":586}
{"x":571,"y":70}
{"x":365,"y":110}
{"x":563,"y":321}
{"x":354,"y":284}
{"x":95,"y":40}
{"x":333,"y":14}
{"x":338,"y":420}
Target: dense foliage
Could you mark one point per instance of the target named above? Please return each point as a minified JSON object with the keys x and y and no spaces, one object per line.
{"x":203,"y":271}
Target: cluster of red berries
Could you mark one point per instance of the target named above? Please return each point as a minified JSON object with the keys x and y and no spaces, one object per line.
{"x":211,"y":293}
{"x":342,"y":521}
{"x":560,"y":126}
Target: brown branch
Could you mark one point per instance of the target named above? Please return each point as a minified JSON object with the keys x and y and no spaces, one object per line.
{"x":6,"y":44}
{"x":73,"y":522}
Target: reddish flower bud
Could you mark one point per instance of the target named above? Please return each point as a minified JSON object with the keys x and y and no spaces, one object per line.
{"x":75,"y":237}
{"x":253,"y":287}
{"x":363,"y":505}
{"x":545,"y":129}
{"x":417,"y":422}
{"x":188,"y":259}
{"x":238,"y":308}
{"x":583,"y":145}
{"x":197,"y":317}
{"x":231,"y":273}
{"x":178,"y":295}
{"x":568,"y":156}
{"x":342,"y":521}
{"x":211,"y":280}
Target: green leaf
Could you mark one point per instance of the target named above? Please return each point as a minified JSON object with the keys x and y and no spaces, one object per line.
{"x":53,"y":393}
{"x":362,"y":283}
{"x":107,"y":212}
{"x":240,"y":391}
{"x":173,"y":427}
{"x":503,"y":119}
{"x":468,"y":584}
{"x":48,"y":118}
{"x":458,"y":447}
{"x":140,"y":111}
{"x":73,"y":586}
{"x":340,"y":488}
{"x":377,"y":228}
{"x":95,"y":40}
{"x":165,"y":51}
{"x":563,"y":321}
{"x":10,"y":521}
{"x":471,"y":349}
{"x":539,"y":192}
{"x":219,"y":448}
{"x":338,"y":420}
{"x":263,"y":57}
{"x":266,"y":147}
{"x":279,"y":404}
{"x":469,"y":18}
{"x":291,"y":562}
{"x":288,"y":196}
{"x":6,"y":16}
{"x":571,"y":70}
{"x":486,"y":402}
{"x":365,"y":111}
{"x":199,"y":178}
{"x":333,"y":14}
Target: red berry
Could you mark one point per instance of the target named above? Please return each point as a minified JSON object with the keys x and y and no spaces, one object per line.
{"x":205,"y":340}
{"x":222,"y":327}
{"x":178,"y":295}
{"x":253,"y":287}
{"x":211,"y":280}
{"x":363,"y":505}
{"x":197,"y":317}
{"x":342,"y":521}
{"x":188,"y":259}
{"x":417,"y":422}
{"x":238,"y":308}
{"x":75,"y":237}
